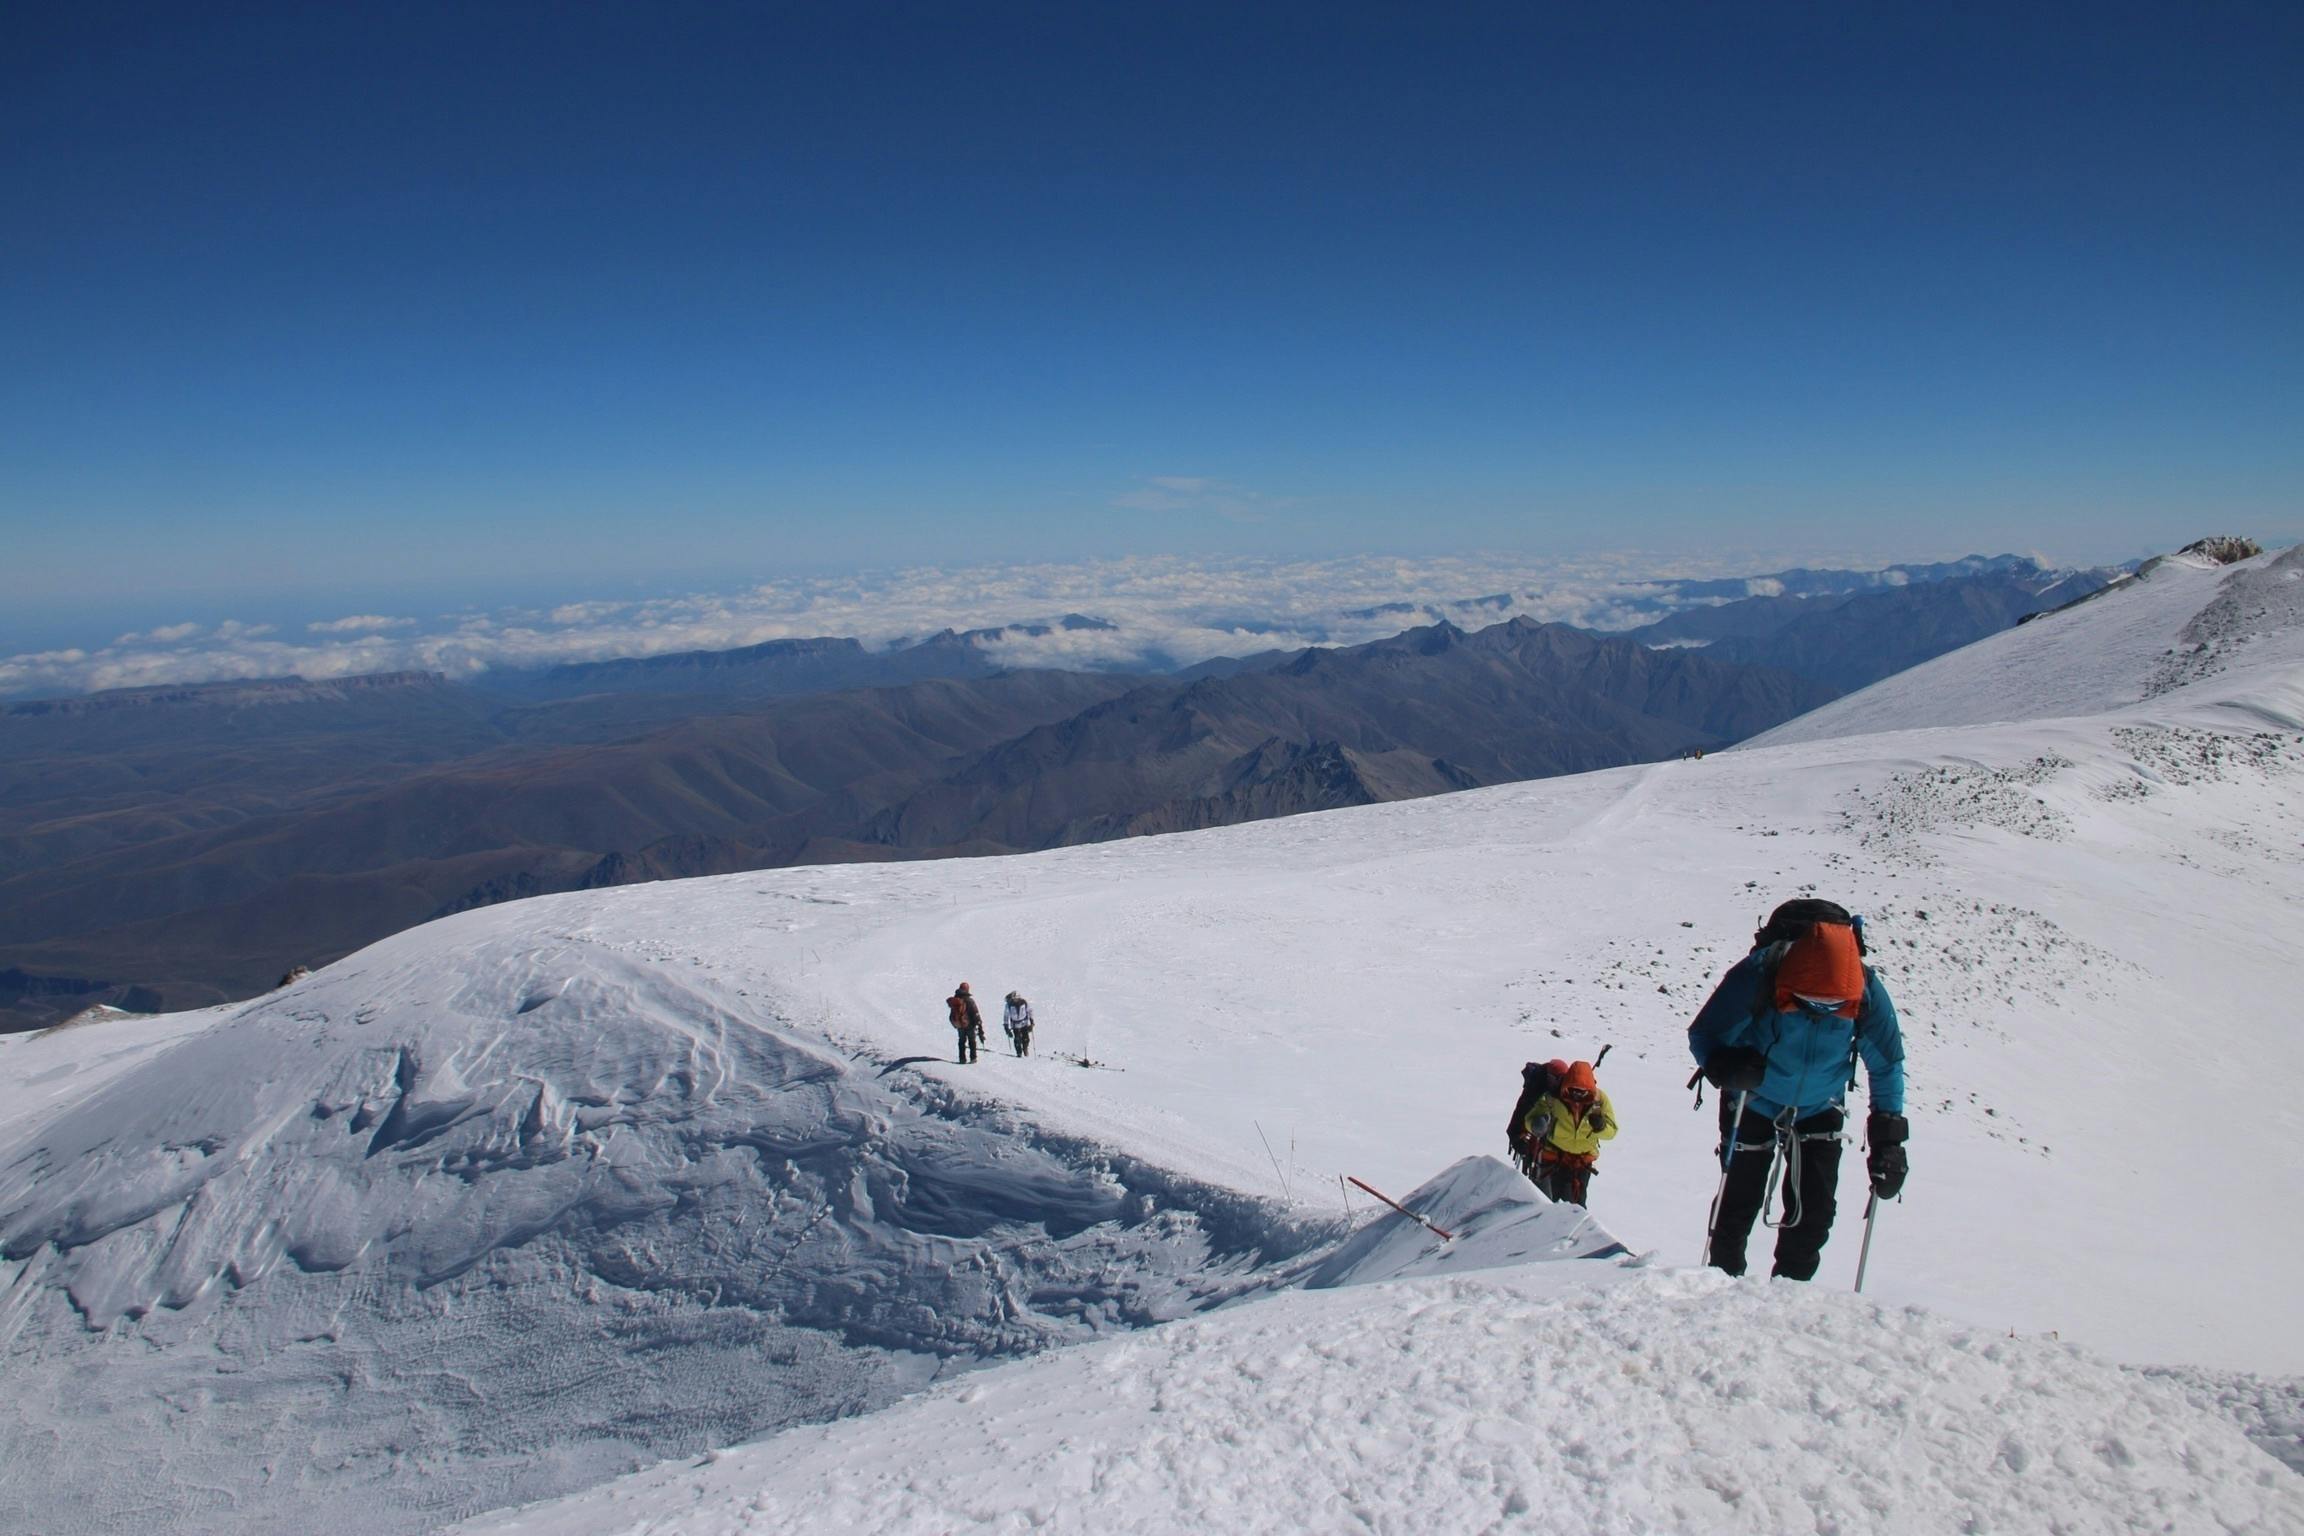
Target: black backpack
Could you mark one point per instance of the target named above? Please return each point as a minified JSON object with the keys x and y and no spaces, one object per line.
{"x":1794,"y":918}
{"x":1536,"y":1080}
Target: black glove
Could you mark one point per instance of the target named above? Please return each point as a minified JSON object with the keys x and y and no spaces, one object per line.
{"x":1886,"y":1162}
{"x":1596,"y":1122}
{"x":1736,"y":1068}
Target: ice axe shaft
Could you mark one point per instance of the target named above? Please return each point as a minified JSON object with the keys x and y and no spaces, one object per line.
{"x":1864,"y":1254}
{"x":1727,"y":1160}
{"x":1424,"y":1222}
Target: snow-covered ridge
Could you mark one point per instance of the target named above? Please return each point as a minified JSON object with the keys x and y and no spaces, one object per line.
{"x":534,"y":1195}
{"x":2181,"y":619}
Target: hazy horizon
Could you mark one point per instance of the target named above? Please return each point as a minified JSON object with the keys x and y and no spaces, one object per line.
{"x":1170,"y":611}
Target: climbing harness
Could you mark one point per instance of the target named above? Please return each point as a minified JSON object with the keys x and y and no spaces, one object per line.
{"x":1784,"y":1165}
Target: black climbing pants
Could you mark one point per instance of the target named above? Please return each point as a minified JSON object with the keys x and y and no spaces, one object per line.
{"x":1023,"y":1039}
{"x":1808,"y":1167}
{"x":968,"y":1039}
{"x":1567,"y":1183}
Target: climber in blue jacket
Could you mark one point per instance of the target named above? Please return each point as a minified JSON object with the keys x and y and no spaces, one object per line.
{"x":1780,"y":1038}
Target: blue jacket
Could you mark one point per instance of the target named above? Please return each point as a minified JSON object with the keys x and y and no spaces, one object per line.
{"x":1808,"y":1051}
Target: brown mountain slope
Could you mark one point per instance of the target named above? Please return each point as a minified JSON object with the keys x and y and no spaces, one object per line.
{"x":212,"y":889}
{"x":1431,"y":710}
{"x":221,"y":905}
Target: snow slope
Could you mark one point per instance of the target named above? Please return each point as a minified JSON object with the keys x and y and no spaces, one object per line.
{"x":546,"y":1191}
{"x":1526,"y":1399}
{"x":2181,"y":619}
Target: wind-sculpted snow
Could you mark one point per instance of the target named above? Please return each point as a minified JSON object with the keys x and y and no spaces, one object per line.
{"x":1493,"y":1217}
{"x":453,"y":1226}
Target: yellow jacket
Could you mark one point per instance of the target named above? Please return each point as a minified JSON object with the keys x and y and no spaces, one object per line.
{"x":1552,"y":1123}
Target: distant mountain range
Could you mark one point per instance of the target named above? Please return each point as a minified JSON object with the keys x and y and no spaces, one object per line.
{"x":1849,"y":640}
{"x":185,"y":845}
{"x":783,"y":668}
{"x":1693,"y":597}
{"x":1433,"y":710}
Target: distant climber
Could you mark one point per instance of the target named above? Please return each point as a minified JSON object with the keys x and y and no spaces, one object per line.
{"x":1558,"y":1125}
{"x":293,"y":975}
{"x":1016,"y":1020}
{"x":1780,"y":1038}
{"x":967,"y":1021}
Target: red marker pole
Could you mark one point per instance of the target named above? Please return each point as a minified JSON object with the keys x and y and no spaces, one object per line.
{"x":1444,"y":1234}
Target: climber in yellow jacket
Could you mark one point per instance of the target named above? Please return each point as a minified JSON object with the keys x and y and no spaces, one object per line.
{"x":1563,"y":1129}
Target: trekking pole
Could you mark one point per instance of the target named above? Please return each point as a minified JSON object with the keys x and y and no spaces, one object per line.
{"x":1727,"y":1160}
{"x":1864,"y":1255}
{"x":1603,"y":1056}
{"x":1442,"y":1232}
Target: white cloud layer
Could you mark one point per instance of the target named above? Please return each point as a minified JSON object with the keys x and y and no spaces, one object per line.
{"x":358,"y":623}
{"x":166,"y":634}
{"x":1167,"y":611}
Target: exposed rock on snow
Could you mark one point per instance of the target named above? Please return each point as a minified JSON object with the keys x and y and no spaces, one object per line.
{"x":2222,"y":549}
{"x":1892,"y":822}
{"x":95,"y":1013}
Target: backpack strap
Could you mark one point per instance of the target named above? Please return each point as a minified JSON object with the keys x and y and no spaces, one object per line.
{"x":1764,"y":996}
{"x":1856,"y":1029}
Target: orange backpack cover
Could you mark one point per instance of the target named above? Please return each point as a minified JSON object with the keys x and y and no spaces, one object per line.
{"x":1824,"y":964}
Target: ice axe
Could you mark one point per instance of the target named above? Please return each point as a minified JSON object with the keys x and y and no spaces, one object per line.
{"x":1603,"y":1056}
{"x":1864,"y":1254}
{"x":1728,"y":1137}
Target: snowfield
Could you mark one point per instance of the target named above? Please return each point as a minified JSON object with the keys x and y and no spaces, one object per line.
{"x":540,"y":1194}
{"x":1519,"y":1399}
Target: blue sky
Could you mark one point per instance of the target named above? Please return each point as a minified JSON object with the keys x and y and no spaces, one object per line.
{"x":347,"y":308}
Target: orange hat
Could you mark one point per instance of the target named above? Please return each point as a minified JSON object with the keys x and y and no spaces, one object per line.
{"x":1825,"y":967}
{"x":1578,"y":1082}
{"x":963,"y":986}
